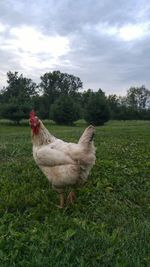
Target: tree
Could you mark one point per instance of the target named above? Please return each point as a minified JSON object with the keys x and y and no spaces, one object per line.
{"x":15,"y":112}
{"x":64,"y":111}
{"x":138,"y":97}
{"x":16,"y":98}
{"x":55,"y":84}
{"x":113,"y":102}
{"x":39,"y":105}
{"x":19,"y":89}
{"x":97,"y":110}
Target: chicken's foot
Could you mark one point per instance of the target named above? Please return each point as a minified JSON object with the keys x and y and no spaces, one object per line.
{"x":71,"y":197}
{"x":62,"y":201}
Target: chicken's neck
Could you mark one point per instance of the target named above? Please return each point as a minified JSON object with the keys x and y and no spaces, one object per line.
{"x":43,"y":137}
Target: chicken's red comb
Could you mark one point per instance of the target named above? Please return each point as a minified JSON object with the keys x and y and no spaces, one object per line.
{"x":32,"y":114}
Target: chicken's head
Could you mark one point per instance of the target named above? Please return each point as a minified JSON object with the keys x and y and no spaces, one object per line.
{"x":34,"y":123}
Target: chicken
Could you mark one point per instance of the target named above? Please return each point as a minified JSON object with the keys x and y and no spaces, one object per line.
{"x":64,"y":164}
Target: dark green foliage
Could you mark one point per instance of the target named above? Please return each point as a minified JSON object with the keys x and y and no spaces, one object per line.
{"x":134,"y":106}
{"x":55,"y":84}
{"x":40,"y":104}
{"x":109,"y":225}
{"x":19,"y":89}
{"x":97,"y":109}
{"x":64,"y":111}
{"x":15,"y":112}
{"x":138,"y":98}
{"x":91,"y":105}
{"x":114,"y":105}
{"x":16,"y":98}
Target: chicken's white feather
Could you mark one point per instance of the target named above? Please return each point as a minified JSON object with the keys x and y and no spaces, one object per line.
{"x":64,"y":164}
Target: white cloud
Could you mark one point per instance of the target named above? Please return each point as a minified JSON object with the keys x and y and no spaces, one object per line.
{"x":3,"y":27}
{"x":31,"y":40}
{"x":105,"y":28}
{"x":133,"y":32}
{"x":128,"y":32}
{"x":34,"y":49}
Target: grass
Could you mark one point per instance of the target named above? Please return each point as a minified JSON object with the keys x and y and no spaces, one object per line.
{"x":110,"y":223}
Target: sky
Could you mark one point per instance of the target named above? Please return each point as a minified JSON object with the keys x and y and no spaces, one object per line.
{"x":105,"y":43}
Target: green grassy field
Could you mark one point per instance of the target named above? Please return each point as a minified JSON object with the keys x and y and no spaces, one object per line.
{"x":110,"y":223}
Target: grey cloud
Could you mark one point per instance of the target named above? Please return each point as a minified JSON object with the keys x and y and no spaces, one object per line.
{"x":68,"y":16}
{"x":101,"y":61}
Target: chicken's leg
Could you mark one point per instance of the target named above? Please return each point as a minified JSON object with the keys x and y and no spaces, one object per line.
{"x":71,"y":197}
{"x":62,"y":200}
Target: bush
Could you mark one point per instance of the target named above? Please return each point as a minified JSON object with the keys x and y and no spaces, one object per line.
{"x":15,"y":112}
{"x":64,"y":111}
{"x":97,"y":110}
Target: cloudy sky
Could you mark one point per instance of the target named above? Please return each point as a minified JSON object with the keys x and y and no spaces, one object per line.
{"x":104,"y":42}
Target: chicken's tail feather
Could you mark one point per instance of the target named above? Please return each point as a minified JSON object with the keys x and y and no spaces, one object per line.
{"x":87,"y":136}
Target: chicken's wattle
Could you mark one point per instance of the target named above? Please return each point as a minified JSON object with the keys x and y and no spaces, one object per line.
{"x":34,"y":123}
{"x":35,"y":129}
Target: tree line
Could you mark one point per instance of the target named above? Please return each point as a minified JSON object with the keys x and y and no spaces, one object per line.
{"x":59,"y":97}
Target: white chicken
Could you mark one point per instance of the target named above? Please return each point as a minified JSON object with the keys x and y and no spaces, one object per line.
{"x":64,"y":164}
